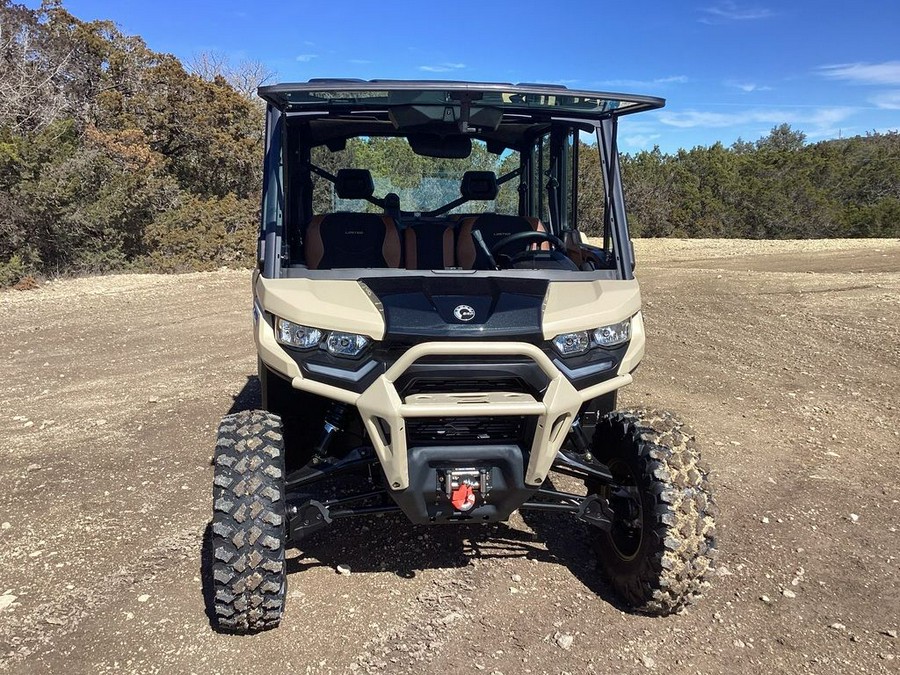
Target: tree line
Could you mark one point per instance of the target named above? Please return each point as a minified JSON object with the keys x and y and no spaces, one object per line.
{"x":117,"y":157}
{"x":779,"y":187}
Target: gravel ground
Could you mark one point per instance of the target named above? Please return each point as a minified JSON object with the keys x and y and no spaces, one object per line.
{"x":784,"y":356}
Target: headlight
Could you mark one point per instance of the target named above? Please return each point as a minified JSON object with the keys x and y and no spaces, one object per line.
{"x":295,"y":335}
{"x":345,"y":344}
{"x":336,"y":343}
{"x":570,"y":344}
{"x":612,"y":335}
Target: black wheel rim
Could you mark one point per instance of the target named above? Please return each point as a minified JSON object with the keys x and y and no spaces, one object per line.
{"x":627,"y":533}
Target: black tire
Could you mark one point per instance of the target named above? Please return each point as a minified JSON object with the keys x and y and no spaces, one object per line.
{"x":248,"y":525}
{"x":664,"y":564}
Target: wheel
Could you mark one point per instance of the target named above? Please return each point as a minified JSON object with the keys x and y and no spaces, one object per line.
{"x":300,"y":414}
{"x":660,"y":549}
{"x":248,"y":525}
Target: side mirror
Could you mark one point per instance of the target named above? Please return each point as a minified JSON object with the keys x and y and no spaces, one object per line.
{"x":631,"y":246}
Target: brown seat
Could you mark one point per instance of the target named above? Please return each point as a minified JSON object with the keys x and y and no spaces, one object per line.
{"x":493,"y":228}
{"x":350,"y":239}
{"x":343,"y":240}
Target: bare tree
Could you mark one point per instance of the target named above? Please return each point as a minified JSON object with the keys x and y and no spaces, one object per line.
{"x":30,"y":72}
{"x":244,"y":76}
{"x":208,"y":64}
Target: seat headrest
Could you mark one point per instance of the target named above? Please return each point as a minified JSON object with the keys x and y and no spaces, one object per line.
{"x":481,"y":185}
{"x":354,"y":184}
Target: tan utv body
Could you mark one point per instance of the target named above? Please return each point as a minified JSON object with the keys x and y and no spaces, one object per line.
{"x":436,"y":339}
{"x":568,"y":307}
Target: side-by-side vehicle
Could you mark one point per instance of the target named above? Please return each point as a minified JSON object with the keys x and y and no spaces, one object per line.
{"x":437,"y":339}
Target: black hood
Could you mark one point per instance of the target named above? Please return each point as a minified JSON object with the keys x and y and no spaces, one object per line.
{"x":460,"y":308}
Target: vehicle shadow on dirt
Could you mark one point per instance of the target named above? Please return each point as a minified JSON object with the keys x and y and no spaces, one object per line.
{"x":390,"y":543}
{"x":248,"y":398}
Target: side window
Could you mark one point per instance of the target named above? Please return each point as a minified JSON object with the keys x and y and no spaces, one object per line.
{"x":544,"y":212}
{"x":508,"y":196}
{"x":540,"y":166}
{"x":591,"y":197}
{"x":569,"y":179}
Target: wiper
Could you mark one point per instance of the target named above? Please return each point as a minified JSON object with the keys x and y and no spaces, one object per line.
{"x":476,"y":235}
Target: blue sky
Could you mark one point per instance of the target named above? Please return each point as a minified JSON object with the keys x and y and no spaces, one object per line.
{"x":728,"y":68}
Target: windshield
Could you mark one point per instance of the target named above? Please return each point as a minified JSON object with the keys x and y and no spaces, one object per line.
{"x":423,"y":184}
{"x":402,"y":189}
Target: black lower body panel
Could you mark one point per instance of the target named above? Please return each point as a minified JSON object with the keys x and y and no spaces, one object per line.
{"x":426,"y":500}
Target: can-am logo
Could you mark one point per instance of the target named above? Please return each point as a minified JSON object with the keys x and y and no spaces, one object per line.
{"x":464,"y":313}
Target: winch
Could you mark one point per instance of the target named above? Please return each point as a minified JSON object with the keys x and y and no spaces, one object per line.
{"x":464,"y":487}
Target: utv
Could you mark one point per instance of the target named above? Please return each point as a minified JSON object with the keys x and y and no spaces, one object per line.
{"x":435,"y":337}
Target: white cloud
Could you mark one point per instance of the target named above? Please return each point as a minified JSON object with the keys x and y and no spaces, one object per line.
{"x":635,"y":125}
{"x":889,"y":100}
{"x":748,"y":87}
{"x":360,"y":62}
{"x":887,"y":72}
{"x":443,"y":67}
{"x":697,"y":118}
{"x":813,"y":121}
{"x":640,"y":141}
{"x":306,"y":58}
{"x":732,"y":11}
{"x":672,"y":79}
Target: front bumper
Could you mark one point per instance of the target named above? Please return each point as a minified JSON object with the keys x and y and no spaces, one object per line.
{"x":385,"y":403}
{"x":384,"y":412}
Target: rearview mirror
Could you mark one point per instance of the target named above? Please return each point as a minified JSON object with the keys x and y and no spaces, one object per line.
{"x":454,"y":146}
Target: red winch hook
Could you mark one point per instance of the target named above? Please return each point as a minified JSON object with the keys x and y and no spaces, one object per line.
{"x":463,"y":498}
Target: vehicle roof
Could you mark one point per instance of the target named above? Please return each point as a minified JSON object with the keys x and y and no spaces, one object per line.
{"x":356,"y":94}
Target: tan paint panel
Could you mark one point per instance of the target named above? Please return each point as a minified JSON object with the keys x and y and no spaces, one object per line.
{"x":279,"y":360}
{"x":636,"y":347}
{"x":582,"y":305}
{"x":324,"y":303}
{"x":345,"y":305}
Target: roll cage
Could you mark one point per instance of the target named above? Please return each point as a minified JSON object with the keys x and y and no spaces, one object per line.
{"x":541,"y":123}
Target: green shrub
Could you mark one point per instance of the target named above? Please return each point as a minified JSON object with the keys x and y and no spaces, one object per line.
{"x":12,"y":271}
{"x":204,"y":234}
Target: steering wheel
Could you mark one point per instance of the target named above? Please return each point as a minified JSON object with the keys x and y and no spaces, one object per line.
{"x":527,"y":236}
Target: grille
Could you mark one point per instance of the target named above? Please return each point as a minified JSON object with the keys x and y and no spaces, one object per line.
{"x":422,"y":385}
{"x":470,"y":430}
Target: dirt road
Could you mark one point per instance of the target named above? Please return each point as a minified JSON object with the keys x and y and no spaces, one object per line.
{"x":784,"y":356}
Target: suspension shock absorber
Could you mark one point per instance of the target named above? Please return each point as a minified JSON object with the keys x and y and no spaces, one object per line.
{"x":335,"y":418}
